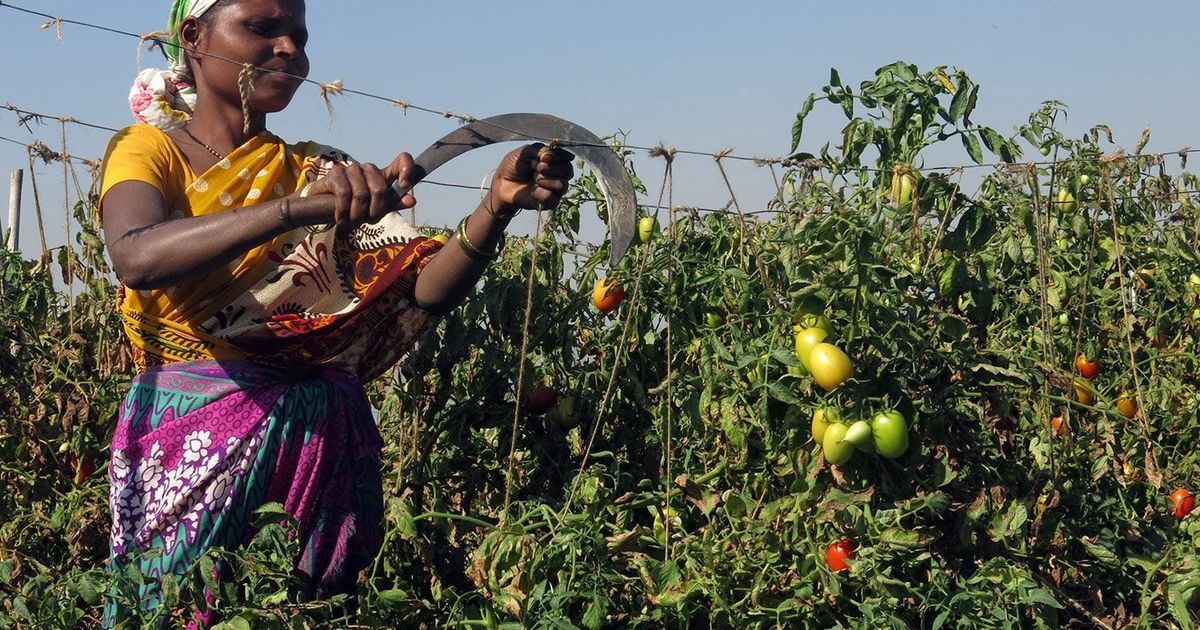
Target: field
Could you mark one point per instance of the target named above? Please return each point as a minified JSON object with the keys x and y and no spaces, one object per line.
{"x":678,"y":483}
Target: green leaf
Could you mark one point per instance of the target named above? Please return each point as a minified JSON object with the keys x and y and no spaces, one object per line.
{"x":907,"y":538}
{"x":798,"y":126}
{"x":958,"y":105}
{"x":834,"y":79}
{"x":971,"y":103}
{"x":971,"y":142}
{"x":392,"y":599}
{"x":1102,"y":554}
{"x":593,"y":617}
{"x":271,"y":514}
{"x":782,"y":392}
{"x":237,"y":623}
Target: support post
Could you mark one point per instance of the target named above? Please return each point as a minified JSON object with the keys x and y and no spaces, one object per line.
{"x":14,"y":209}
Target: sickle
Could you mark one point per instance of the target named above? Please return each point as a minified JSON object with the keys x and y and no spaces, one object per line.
{"x":613,"y":179}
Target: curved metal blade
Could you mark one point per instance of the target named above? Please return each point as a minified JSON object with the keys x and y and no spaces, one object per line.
{"x":614,"y":180}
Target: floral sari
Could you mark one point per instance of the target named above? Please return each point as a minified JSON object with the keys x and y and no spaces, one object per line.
{"x":251,"y":390}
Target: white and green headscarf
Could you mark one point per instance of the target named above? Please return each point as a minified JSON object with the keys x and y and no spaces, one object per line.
{"x":166,"y":98}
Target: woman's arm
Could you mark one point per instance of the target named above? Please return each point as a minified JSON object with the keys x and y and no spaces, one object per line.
{"x":149,"y":250}
{"x":530,"y":177}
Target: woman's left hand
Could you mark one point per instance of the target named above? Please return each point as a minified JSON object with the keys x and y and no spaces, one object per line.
{"x":533,"y":176}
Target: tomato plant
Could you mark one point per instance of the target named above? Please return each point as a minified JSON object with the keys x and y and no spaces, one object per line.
{"x":689,"y":492}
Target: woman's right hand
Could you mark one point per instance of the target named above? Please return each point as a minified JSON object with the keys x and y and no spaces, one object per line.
{"x":362,"y":193}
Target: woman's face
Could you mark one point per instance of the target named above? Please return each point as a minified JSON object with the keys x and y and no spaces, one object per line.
{"x":269,"y":34}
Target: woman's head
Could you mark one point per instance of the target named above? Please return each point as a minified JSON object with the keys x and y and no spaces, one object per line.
{"x":211,"y":43}
{"x":266,"y":34}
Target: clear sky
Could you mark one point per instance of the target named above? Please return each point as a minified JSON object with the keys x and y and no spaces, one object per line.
{"x":697,"y":74}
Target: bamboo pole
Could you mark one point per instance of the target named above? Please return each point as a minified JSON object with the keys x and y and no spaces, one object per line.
{"x":14,"y":209}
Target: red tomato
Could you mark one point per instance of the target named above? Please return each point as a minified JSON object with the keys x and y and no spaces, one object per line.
{"x":837,"y":554}
{"x":541,"y":399}
{"x":606,"y":295}
{"x":83,"y":466}
{"x":1056,"y":423}
{"x":1183,"y":503}
{"x":1087,"y":368}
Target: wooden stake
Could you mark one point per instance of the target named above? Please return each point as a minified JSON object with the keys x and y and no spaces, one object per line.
{"x":14,"y":209}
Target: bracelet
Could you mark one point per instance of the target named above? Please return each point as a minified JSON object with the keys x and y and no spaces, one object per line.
{"x":487,"y":205}
{"x":285,"y":213}
{"x":312,"y":229}
{"x":471,"y":250}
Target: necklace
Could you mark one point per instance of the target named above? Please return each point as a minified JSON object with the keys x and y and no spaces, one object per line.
{"x":199,"y":142}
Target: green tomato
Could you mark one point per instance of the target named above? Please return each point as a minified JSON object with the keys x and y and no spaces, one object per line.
{"x":859,"y":433}
{"x":713,"y":319}
{"x":1066,"y":201}
{"x":805,"y":340}
{"x":647,"y":226}
{"x":835,"y":447}
{"x":1194,"y":282}
{"x":821,"y":419}
{"x":890,"y":434}
{"x":564,"y":413}
{"x":758,"y":372}
{"x":812,"y":320}
{"x":830,"y":366}
{"x":1044,"y":149}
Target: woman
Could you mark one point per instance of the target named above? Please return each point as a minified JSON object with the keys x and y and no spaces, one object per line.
{"x":255,"y":326}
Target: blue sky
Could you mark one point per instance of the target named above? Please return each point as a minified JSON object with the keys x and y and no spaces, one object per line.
{"x":700,"y":75}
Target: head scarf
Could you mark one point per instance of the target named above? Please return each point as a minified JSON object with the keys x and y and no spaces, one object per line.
{"x":166,"y":98}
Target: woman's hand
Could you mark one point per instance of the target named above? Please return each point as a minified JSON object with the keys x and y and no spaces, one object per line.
{"x":530,"y":177}
{"x":363,"y":192}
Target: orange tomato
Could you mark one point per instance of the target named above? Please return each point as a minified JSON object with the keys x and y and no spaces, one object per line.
{"x":1127,"y":405}
{"x":1083,"y":392}
{"x":1087,"y":368}
{"x":607,"y":295}
{"x":1056,"y":423}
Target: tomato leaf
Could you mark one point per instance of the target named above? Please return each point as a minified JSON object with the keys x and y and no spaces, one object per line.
{"x":971,"y":142}
{"x":798,"y":126}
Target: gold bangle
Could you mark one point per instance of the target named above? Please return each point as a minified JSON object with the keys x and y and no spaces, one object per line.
{"x":471,"y":250}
